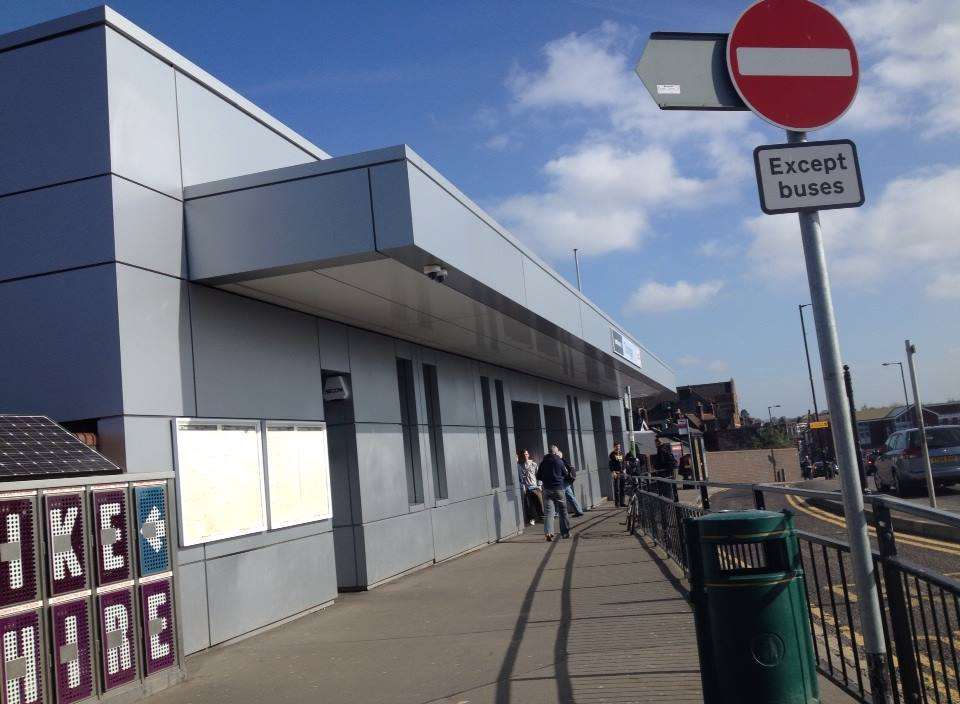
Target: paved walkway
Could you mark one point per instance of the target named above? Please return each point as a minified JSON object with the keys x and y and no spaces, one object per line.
{"x":597,"y":618}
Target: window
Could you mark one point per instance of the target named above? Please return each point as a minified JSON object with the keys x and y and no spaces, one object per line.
{"x":488,"y":429}
{"x":298,"y":473}
{"x":504,"y":436}
{"x":219,"y":479}
{"x":435,"y":431}
{"x":411,"y":431}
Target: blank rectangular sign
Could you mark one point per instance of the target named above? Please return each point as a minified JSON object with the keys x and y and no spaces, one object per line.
{"x":220,"y":479}
{"x":298,"y":471}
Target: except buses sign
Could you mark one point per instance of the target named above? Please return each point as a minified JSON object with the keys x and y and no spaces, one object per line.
{"x":809,"y":175}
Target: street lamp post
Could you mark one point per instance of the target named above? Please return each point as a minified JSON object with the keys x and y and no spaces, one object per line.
{"x":806,"y":349}
{"x":903,"y":380}
{"x":770,"y":412}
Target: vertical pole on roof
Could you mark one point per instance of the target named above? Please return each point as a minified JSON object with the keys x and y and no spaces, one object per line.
{"x":576,"y":262}
{"x":921,"y":426}
{"x":628,"y":403}
{"x":861,"y":556}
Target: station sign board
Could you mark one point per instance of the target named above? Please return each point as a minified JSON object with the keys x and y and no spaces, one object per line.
{"x":626,"y":348}
{"x":808,"y":176}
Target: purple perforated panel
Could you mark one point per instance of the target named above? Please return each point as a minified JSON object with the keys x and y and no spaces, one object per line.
{"x":111,"y":535}
{"x":71,"y":652}
{"x":18,"y":556}
{"x":156,"y":610}
{"x":22,"y":642}
{"x":118,"y":651}
{"x":67,"y":561}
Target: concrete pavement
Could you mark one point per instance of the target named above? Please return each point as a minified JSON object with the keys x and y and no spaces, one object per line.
{"x":597,"y":618}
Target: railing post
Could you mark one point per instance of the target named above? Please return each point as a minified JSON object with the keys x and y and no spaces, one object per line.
{"x":759,"y":501}
{"x":897,"y":603}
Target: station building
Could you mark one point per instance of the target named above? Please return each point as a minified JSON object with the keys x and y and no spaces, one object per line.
{"x":338,"y":356}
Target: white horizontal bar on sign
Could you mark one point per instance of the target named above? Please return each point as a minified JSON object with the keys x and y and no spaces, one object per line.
{"x":793,"y":61}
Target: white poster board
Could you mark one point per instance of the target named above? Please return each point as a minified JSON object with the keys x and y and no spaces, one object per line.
{"x":219,"y":479}
{"x":298,"y":472}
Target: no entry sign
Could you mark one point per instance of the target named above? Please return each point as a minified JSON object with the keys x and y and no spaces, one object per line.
{"x":793,"y":64}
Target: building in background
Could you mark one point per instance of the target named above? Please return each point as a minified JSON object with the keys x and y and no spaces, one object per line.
{"x":708,"y":407}
{"x":339,"y":357}
{"x":875,"y":425}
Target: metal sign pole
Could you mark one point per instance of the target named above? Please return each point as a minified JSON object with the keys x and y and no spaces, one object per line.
{"x":921,"y":425}
{"x":829,"y":344}
{"x":628,"y":402}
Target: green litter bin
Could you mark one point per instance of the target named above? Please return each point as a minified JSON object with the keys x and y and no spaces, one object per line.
{"x":750,"y":608}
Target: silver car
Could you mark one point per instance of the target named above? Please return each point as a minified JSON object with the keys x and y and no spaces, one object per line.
{"x":900,"y":466}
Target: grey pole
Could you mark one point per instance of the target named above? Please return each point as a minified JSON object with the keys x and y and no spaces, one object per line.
{"x":576,"y":261}
{"x":906,"y":401}
{"x":628,"y":402}
{"x":806,"y":348}
{"x":770,"y":412}
{"x":829,"y":344}
{"x":921,"y":426}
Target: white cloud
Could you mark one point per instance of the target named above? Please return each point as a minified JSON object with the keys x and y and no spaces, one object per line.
{"x":497,"y":142}
{"x":945,"y":286}
{"x":689,"y":360}
{"x":910,"y":55}
{"x":655,"y":297}
{"x":914,"y":221}
{"x":714,"y":366}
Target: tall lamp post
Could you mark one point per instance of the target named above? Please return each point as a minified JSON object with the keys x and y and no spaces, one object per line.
{"x":770,"y":412}
{"x":806,"y":349}
{"x":903,"y":380}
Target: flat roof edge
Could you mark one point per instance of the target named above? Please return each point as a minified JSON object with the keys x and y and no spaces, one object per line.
{"x":105,"y":15}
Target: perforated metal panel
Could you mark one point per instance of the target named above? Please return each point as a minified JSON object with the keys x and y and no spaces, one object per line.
{"x":22,"y":642}
{"x":110,"y":529}
{"x":66,"y":539}
{"x":118,"y":647}
{"x":72,"y":651}
{"x":152,"y":529}
{"x":157,"y":627}
{"x":18,"y":554}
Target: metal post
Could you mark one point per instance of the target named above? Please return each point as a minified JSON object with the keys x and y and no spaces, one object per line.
{"x":848,"y":383}
{"x":921,"y":426}
{"x":829,"y":344}
{"x":806,"y":349}
{"x":628,"y":402}
{"x":576,"y":262}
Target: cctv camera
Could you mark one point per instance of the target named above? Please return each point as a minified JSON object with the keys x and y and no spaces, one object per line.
{"x":435,"y":272}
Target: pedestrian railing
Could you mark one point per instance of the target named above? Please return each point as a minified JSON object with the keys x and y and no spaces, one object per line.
{"x":921,"y":607}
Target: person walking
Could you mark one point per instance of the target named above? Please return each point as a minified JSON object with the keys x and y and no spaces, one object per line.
{"x":665,"y":462}
{"x":616,"y":473}
{"x":532,"y":495}
{"x":570,"y":478}
{"x":551,"y":473}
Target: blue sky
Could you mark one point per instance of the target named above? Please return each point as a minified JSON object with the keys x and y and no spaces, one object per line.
{"x":532,"y":109}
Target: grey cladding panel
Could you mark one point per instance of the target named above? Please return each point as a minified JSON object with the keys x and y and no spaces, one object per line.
{"x":397,"y":545}
{"x":461,"y":526}
{"x":149,"y":229}
{"x":550,"y":299}
{"x":55,"y":228}
{"x":334,"y":346}
{"x":376,"y":397}
{"x":143,"y":116}
{"x":254,"y":360}
{"x":217,"y":141}
{"x":193,"y":607}
{"x":53,"y":111}
{"x":41,"y":318}
{"x":291,"y":226}
{"x":381,"y":471}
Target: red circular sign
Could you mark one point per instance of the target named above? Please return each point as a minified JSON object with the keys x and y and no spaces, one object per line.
{"x":793,"y":63}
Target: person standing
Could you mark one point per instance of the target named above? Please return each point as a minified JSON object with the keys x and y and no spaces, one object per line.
{"x":551,"y":474}
{"x":532,"y":495}
{"x":570,"y":478}
{"x":665,"y":462}
{"x":616,"y":473}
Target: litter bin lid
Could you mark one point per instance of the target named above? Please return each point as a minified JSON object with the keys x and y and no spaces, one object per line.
{"x":744,"y":525}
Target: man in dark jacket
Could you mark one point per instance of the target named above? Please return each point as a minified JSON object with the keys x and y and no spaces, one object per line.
{"x":552,"y":473}
{"x":665,"y":462}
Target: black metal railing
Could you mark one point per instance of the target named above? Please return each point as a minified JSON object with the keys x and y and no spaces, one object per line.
{"x":921,"y":607}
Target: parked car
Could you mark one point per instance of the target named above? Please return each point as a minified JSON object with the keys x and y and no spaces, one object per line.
{"x":825,"y":468}
{"x":899,"y":465}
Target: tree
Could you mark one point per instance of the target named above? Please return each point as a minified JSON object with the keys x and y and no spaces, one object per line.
{"x":770,"y":437}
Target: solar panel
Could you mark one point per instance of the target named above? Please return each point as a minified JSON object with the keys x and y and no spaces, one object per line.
{"x":35,"y":446}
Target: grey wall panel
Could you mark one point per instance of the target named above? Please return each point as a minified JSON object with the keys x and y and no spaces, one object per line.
{"x":346,"y":557}
{"x":460,"y":526}
{"x":53,"y":119}
{"x":458,"y":384}
{"x":136,"y":443}
{"x":254,"y":360}
{"x":193,"y":607}
{"x":254,"y":589}
{"x":550,"y":299}
{"x":396,"y":545}
{"x":143,"y":116}
{"x":334,"y":346}
{"x":376,"y":397}
{"x":255,"y":541}
{"x":504,"y":514}
{"x":55,"y":228}
{"x":148,"y":229}
{"x":60,"y":345}
{"x":155,"y":348}
{"x":465,"y":451}
{"x":381,"y":471}
{"x":344,"y":484}
{"x":294,"y":225}
{"x":218,"y":141}
{"x":390,"y":190}
{"x":478,"y":250}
